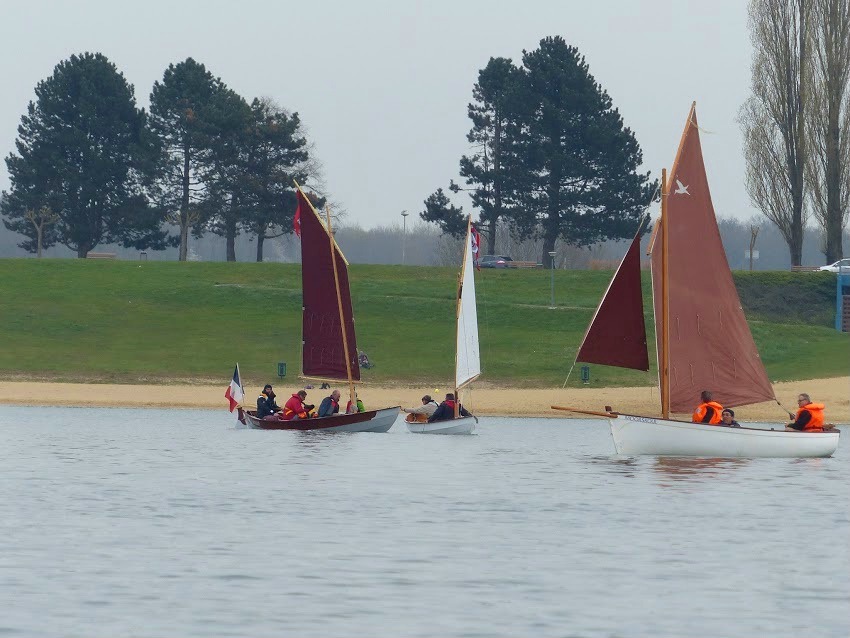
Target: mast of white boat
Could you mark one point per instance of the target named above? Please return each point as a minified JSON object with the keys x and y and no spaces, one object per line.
{"x":664,"y":355}
{"x":466,"y":256}
{"x":351,"y":394}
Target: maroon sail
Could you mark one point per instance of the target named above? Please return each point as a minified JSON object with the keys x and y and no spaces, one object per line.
{"x":323,"y":347}
{"x":711,"y":347}
{"x":617,"y":334}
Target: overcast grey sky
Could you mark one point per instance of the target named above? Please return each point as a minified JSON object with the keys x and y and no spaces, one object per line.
{"x":382,"y":86}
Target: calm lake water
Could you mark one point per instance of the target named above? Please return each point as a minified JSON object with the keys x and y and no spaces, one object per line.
{"x":154,"y":523}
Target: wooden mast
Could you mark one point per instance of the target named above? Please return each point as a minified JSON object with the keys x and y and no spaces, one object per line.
{"x":457,"y":310}
{"x":664,"y":354}
{"x":341,"y":313}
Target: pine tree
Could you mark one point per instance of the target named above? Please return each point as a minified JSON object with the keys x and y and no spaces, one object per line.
{"x":84,"y":153}
{"x":576,"y":176}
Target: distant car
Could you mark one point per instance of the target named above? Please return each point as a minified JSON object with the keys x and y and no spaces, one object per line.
{"x":842,"y":265}
{"x":494,"y":261}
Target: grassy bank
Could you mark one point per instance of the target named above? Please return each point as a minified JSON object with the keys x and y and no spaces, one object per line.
{"x":132,"y":322}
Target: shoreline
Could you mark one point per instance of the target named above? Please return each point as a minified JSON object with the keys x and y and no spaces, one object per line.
{"x":484,"y":401}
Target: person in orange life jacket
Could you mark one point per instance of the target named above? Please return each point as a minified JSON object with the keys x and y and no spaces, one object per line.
{"x":708,"y":411}
{"x":809,"y":416}
{"x":329,"y":405}
{"x":727,"y":417}
{"x":358,"y":407}
{"x":295,"y":408}
{"x":446,"y":410}
{"x":266,"y":405}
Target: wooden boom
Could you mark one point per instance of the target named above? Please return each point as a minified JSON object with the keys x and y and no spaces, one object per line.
{"x":607,"y":415}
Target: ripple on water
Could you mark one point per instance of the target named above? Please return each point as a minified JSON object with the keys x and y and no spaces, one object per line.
{"x":119,"y":522}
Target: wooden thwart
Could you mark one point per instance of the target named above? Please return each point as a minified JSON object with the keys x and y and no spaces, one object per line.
{"x":607,"y":415}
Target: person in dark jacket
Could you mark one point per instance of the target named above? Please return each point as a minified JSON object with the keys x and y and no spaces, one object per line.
{"x":446,"y":410}
{"x":329,"y":405}
{"x":266,"y":405}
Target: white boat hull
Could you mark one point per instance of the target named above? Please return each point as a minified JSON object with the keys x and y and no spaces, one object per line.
{"x":465,"y":425}
{"x":636,"y":435}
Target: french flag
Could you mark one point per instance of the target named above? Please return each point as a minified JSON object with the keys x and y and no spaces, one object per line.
{"x":234,"y":392}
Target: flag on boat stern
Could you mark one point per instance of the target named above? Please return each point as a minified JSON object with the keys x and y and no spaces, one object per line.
{"x":234,"y":392}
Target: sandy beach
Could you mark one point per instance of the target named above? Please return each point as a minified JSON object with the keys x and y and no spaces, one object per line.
{"x":482,"y":399}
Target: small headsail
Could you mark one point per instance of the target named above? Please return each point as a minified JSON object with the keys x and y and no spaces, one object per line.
{"x":617,"y":334}
{"x":324,"y":351}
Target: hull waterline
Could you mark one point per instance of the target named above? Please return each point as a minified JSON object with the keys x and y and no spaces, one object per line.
{"x":638,"y":435}
{"x":369,"y":421}
{"x":465,"y":425}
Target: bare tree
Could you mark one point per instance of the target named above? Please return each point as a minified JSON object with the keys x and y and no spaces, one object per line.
{"x":828,"y":121}
{"x":40,"y":219}
{"x":773,"y":119}
{"x":754,"y":232}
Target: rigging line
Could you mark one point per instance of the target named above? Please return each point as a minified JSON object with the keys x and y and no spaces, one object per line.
{"x":788,"y":412}
{"x":569,"y":373}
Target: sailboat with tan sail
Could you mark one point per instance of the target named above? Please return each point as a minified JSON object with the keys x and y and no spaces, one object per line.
{"x":703,"y":339}
{"x":329,"y":344}
{"x":467,"y":358}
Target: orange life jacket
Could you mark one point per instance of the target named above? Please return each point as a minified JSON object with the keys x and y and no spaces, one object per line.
{"x":699,"y":413}
{"x":815,"y":424}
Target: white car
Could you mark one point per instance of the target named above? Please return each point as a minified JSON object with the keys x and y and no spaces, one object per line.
{"x":842,"y":265}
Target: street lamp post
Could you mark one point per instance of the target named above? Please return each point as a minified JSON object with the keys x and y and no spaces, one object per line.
{"x":404,"y":215}
{"x":552,"y":259}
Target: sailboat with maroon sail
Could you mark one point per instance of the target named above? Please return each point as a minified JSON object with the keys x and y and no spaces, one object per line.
{"x":329,"y":349}
{"x":703,"y":340}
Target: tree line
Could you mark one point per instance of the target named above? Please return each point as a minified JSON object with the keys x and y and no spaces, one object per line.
{"x":92,"y":168}
{"x":796,"y":124}
{"x":552,"y":157}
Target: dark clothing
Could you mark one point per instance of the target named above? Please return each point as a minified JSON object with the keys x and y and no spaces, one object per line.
{"x":800,"y":423}
{"x":266,"y":405}
{"x":446,"y":412}
{"x":328,"y":407}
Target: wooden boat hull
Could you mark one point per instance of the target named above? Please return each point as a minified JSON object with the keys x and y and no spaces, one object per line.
{"x":369,"y":421}
{"x":638,"y":435}
{"x":464,"y":425}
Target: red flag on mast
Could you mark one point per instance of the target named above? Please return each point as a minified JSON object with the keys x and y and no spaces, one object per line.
{"x":476,"y":246}
{"x":296,"y":221}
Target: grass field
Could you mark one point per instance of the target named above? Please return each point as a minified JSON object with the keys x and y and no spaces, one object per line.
{"x":80,"y":320}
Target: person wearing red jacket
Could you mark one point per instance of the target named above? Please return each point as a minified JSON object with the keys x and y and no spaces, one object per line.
{"x":295,"y":408}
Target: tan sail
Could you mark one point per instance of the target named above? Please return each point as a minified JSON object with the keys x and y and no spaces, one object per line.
{"x":710,"y":344}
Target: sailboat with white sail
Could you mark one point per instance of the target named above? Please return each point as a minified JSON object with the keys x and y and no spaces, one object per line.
{"x":467,"y":357}
{"x":329,"y":343}
{"x":703,"y":339}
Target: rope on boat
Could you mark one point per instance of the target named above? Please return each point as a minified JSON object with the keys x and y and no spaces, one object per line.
{"x":788,"y":412}
{"x":568,"y":374}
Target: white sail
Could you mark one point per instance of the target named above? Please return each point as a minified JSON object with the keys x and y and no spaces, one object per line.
{"x":468,"y":362}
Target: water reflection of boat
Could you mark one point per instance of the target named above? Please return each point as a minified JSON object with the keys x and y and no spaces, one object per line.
{"x":704,"y":341}
{"x":683,"y":468}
